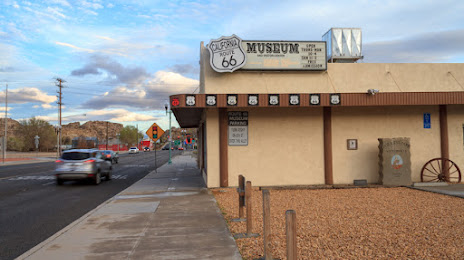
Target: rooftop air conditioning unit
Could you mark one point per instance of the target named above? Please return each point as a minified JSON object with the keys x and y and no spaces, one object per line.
{"x":344,"y":45}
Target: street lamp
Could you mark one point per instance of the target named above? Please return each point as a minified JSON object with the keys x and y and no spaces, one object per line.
{"x":168,"y":110}
{"x":118,"y":135}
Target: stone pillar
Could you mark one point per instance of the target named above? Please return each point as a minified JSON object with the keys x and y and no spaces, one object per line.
{"x":395,"y":161}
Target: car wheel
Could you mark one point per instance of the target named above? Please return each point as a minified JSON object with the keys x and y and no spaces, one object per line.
{"x":97,"y":178}
{"x":59,"y":181}
{"x":108,"y":174}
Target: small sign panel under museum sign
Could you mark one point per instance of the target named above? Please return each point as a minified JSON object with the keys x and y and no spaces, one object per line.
{"x":285,"y":55}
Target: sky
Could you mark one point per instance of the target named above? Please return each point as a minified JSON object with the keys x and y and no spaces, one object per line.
{"x":122,"y":59}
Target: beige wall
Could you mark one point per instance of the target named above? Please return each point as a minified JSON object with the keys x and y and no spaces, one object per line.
{"x":455,"y":132}
{"x":339,"y":78}
{"x":367,"y":124}
{"x":285,"y":147}
{"x":286,"y":144}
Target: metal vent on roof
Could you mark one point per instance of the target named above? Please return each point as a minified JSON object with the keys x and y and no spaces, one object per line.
{"x":343,"y":45}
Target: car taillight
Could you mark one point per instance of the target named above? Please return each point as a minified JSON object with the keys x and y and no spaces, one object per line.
{"x":90,"y":161}
{"x":108,"y":156}
{"x":58,"y":161}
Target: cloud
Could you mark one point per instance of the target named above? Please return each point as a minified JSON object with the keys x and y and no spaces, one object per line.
{"x":7,"y":69}
{"x":60,"y":2}
{"x":117,"y":72}
{"x":185,"y":69}
{"x":27,"y":95}
{"x":150,"y":95}
{"x":430,"y":47}
{"x":45,"y":106}
{"x":116,"y":115}
{"x":2,"y":109}
{"x":91,"y":5}
{"x":56,"y":12}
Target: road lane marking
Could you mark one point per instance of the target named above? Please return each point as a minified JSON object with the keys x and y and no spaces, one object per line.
{"x":52,"y":177}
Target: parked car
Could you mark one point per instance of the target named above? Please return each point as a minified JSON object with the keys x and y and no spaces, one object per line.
{"x":146,"y":149}
{"x":111,"y":156}
{"x":166,"y":147}
{"x":134,"y":150}
{"x":81,"y":164}
{"x":180,"y":148}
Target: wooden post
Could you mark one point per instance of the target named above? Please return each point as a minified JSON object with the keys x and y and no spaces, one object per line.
{"x":241,"y":195}
{"x":328,"y":167}
{"x":444,"y":141}
{"x":223,"y":148}
{"x":248,"y":191}
{"x":290,"y":217}
{"x":267,"y":225}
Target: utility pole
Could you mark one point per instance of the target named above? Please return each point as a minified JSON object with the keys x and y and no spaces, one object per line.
{"x":107,"y":135}
{"x":60,"y":86}
{"x":5,"y":139}
{"x":168,"y":111}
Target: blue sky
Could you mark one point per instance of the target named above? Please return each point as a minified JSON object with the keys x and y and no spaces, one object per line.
{"x":122,"y":58}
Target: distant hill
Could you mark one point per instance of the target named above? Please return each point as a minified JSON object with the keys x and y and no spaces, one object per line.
{"x":71,"y":130}
{"x":92,"y":129}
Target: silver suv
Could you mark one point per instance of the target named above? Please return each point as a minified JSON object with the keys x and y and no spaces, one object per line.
{"x":82,"y":164}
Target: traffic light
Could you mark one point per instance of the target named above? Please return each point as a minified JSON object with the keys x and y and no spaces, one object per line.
{"x":155,"y":132}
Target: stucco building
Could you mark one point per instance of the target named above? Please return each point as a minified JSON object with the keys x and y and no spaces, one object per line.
{"x":330,"y":134}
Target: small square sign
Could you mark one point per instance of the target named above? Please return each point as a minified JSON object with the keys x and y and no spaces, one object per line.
{"x":352,"y":144}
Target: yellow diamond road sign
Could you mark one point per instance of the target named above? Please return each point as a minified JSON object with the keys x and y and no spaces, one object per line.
{"x":155,"y":132}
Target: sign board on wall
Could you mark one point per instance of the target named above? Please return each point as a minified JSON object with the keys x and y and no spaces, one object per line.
{"x":238,"y":128}
{"x":226,"y":54}
{"x":285,"y":55}
{"x":427,"y":123}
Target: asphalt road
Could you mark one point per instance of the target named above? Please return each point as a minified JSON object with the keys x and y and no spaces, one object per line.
{"x":33,"y":207}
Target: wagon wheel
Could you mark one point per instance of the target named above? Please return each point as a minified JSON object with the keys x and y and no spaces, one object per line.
{"x":437,"y":169}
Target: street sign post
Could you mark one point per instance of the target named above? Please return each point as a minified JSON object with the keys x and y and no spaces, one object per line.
{"x":155,"y":132}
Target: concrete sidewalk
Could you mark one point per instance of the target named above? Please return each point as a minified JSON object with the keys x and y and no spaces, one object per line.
{"x":169,"y":214}
{"x":456,"y":190}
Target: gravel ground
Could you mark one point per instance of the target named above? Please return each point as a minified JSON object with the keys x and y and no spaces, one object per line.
{"x":362,"y":223}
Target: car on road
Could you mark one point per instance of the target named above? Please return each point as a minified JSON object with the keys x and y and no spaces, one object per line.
{"x":110,"y":155}
{"x":134,"y":150}
{"x":180,"y":148}
{"x":81,"y":164}
{"x":146,"y":149}
{"x":166,"y":147}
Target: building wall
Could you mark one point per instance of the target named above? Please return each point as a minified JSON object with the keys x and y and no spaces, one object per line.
{"x":285,"y":147}
{"x":455,"y":135}
{"x":367,"y":124}
{"x":286,"y":144}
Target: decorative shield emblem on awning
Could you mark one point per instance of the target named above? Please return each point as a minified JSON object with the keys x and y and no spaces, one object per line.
{"x":335,"y":99}
{"x":226,"y":54}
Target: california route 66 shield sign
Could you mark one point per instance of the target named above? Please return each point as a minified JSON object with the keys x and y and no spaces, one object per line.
{"x":226,"y":54}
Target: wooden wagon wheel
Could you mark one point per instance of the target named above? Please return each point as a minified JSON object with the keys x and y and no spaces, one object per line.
{"x":441,"y":170}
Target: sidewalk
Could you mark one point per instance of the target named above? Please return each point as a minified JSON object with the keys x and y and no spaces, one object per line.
{"x":169,"y":214}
